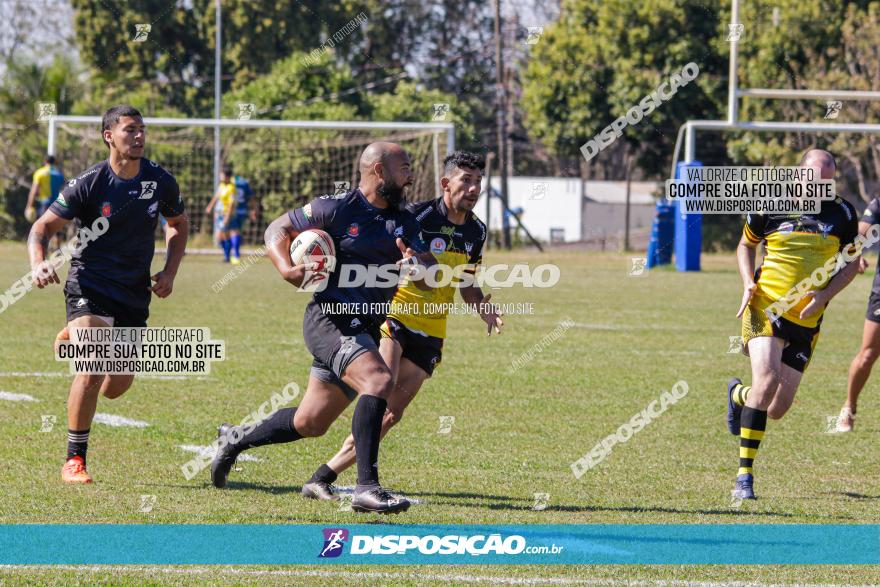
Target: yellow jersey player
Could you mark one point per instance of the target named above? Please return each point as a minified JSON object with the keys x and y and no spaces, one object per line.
{"x":780,"y":331}
{"x":45,"y":187}
{"x":413,"y":333}
{"x":230,"y":208}
{"x":225,"y":219}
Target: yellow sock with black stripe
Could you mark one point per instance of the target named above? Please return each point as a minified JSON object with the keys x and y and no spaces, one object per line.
{"x":740,"y":393}
{"x":753,"y":423}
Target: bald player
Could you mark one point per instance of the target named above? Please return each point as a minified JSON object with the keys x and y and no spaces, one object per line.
{"x":369,"y":227}
{"x":413,"y":333}
{"x":780,"y":347}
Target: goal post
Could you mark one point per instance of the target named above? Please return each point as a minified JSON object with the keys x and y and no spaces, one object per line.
{"x":286,"y":162}
{"x":687,"y":237}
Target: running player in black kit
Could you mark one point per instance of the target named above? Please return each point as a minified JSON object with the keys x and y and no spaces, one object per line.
{"x":109,"y":280}
{"x":369,"y":226}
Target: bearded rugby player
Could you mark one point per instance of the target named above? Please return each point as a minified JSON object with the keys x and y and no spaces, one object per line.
{"x":369,"y":226}
{"x":413,"y":333}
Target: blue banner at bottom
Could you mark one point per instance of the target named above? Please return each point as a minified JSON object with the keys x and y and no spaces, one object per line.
{"x":442,"y":544}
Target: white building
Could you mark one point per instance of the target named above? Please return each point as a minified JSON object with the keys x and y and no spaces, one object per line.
{"x":569,"y":210}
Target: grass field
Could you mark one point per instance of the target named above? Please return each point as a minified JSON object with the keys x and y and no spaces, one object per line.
{"x":515,"y":433}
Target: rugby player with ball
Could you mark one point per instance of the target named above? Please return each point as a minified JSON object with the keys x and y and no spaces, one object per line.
{"x":365,"y":226}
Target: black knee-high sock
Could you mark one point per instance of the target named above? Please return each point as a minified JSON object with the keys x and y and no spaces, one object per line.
{"x":275,"y":429}
{"x":324,"y":474}
{"x":366,"y":426}
{"x":77,"y":443}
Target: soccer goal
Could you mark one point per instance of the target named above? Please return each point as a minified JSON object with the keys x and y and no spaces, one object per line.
{"x":286,"y":162}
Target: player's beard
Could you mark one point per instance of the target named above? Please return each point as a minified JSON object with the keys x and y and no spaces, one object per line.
{"x":393,"y":194}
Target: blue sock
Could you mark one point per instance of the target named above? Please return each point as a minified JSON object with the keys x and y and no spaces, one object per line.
{"x":224,"y":244}
{"x":236,"y":244}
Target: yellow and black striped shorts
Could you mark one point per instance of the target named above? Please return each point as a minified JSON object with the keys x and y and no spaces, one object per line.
{"x":799,"y":340}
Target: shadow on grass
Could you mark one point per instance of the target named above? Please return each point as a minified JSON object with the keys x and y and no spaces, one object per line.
{"x":506,"y":502}
{"x":858,"y":495}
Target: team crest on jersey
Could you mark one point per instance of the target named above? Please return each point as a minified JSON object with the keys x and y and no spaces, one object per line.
{"x":153,"y":209}
{"x":438,"y":245}
{"x":353,"y":229}
{"x":468,"y":247}
{"x":106,"y":209}
{"x":61,"y":201}
{"x":148,"y":188}
{"x":398,"y":232}
{"x":307,"y":211}
{"x":824,"y":228}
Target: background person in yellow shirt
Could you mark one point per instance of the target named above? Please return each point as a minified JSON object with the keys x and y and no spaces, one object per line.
{"x":45,"y":187}
{"x":223,"y":206}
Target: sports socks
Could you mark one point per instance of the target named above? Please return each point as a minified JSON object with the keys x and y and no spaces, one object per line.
{"x":275,"y":429}
{"x":366,"y":426}
{"x":77,"y":443}
{"x":236,"y":245}
{"x":740,"y":393}
{"x":324,"y":474}
{"x":753,"y":423}
{"x":226,"y":246}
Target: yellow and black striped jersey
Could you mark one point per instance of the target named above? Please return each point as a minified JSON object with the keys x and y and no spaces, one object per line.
{"x":796,"y":245}
{"x":452,"y":245}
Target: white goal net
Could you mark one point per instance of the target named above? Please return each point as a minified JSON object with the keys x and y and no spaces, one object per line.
{"x":286,"y":163}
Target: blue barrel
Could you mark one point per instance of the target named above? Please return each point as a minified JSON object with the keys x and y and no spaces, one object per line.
{"x":662,"y":234}
{"x":688,"y":231}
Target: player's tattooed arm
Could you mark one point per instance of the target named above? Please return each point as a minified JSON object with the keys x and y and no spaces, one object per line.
{"x":278,"y":236}
{"x":43,"y":271}
{"x":38,"y":237}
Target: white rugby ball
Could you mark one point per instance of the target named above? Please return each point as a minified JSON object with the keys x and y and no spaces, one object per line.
{"x":314,"y":246}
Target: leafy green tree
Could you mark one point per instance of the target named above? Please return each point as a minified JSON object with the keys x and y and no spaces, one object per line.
{"x":173,"y":55}
{"x":600,"y":59}
{"x":841,"y":54}
{"x":22,"y":136}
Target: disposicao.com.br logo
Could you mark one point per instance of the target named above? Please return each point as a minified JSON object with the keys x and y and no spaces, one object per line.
{"x":450,"y":544}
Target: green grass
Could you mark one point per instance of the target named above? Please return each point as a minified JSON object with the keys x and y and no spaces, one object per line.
{"x":515,"y":433}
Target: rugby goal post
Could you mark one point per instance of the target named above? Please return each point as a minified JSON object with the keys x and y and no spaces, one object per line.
{"x":286,"y":162}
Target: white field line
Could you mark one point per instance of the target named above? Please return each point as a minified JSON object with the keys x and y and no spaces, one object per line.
{"x":455,"y":578}
{"x":66,"y":374}
{"x":118,"y":421}
{"x":17,"y":397}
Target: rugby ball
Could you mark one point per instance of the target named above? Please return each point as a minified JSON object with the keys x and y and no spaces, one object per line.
{"x":314,"y":246}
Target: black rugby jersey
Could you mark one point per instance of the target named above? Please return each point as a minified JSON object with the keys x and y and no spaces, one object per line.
{"x":117,"y":263}
{"x":362,"y":235}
